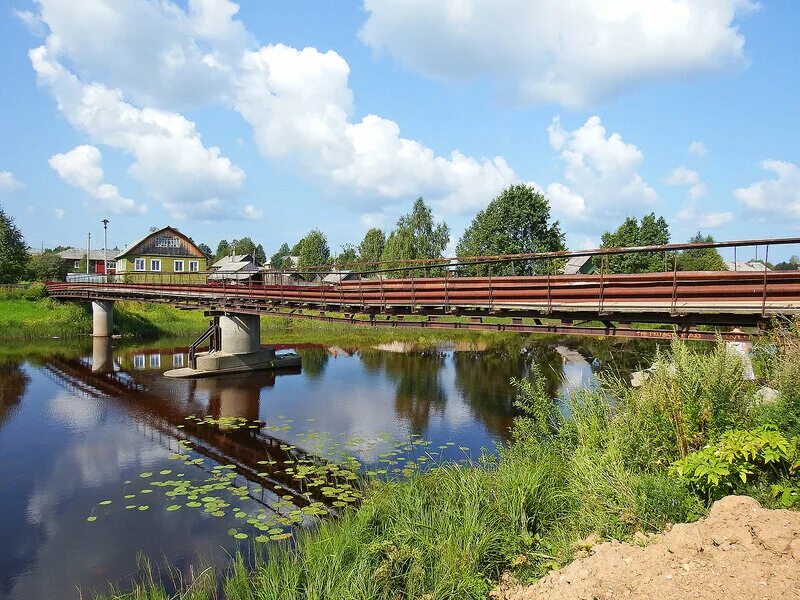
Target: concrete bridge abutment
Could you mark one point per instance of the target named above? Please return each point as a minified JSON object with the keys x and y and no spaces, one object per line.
{"x":102,"y":318}
{"x":235,"y":348}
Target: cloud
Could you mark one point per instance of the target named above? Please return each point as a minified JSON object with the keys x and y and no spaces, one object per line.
{"x":170,"y":160}
{"x":82,"y":168}
{"x":252,"y":213}
{"x":59,"y":213}
{"x":704,"y":220}
{"x":573,"y":53}
{"x":778,"y":197}
{"x":300,"y":107}
{"x":32,"y":21}
{"x":684,"y":177}
{"x":600,"y":171}
{"x":9,"y":183}
{"x":298,"y":102}
{"x":698,"y":149}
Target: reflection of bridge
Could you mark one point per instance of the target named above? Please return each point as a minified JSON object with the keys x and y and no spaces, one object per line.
{"x":243,"y":447}
{"x":505,"y":303}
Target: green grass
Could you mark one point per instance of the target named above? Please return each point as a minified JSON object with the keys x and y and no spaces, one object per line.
{"x":29,"y":319}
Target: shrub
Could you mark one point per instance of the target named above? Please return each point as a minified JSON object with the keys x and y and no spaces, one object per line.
{"x":738,"y":458}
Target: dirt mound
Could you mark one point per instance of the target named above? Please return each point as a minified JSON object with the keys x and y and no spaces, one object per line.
{"x":740,"y":551}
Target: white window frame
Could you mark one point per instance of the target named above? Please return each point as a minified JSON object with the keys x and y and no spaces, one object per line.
{"x":175,"y":266}
{"x":139,"y":361}
{"x":167,"y":241}
{"x":139,"y":261}
{"x":177,"y":360}
{"x":194,"y":266}
{"x":155,"y":262}
{"x":77,"y":264}
{"x":155,"y":361}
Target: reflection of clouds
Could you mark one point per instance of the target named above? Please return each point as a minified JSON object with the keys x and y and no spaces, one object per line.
{"x":76,"y":413}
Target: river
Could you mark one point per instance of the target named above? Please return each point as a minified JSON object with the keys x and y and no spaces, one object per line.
{"x":92,"y":436}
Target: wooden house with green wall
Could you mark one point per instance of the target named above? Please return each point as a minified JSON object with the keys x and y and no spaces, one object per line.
{"x":165,"y":255}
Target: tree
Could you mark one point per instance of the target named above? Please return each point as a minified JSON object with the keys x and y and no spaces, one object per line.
{"x":651,"y":231}
{"x":223,"y":249}
{"x":314,"y":250}
{"x":416,"y":236}
{"x":348,"y":257}
{"x":13,"y":251}
{"x":278,"y":259}
{"x":259,"y":256}
{"x":516,"y":222}
{"x":244,"y":246}
{"x":371,"y":248}
{"x":204,"y":248}
{"x":49,"y":266}
{"x":700,"y":259}
{"x":83,"y":264}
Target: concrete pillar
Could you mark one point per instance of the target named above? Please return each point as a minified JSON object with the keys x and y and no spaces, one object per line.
{"x":102,"y":318}
{"x":240,"y":333}
{"x":102,"y":355}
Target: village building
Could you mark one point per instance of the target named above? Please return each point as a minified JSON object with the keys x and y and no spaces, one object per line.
{"x":240,"y":268}
{"x":74,"y":256}
{"x":165,"y":250}
{"x":579,"y":265}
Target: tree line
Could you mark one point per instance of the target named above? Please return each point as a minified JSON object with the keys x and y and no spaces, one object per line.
{"x":518,"y":221}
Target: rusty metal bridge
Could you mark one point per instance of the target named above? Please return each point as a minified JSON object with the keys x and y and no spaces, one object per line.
{"x":401,"y":295}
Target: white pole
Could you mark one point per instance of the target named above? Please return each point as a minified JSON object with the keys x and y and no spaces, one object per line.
{"x":88,"y":252}
{"x":105,"y":248}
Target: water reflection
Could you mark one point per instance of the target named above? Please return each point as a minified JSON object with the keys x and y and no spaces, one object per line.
{"x":73,"y":427}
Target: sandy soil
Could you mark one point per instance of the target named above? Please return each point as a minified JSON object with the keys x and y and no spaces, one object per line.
{"x":739,"y":552}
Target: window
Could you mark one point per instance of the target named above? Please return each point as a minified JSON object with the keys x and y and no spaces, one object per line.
{"x":194,"y":266}
{"x":138,"y":264}
{"x":177,"y":360}
{"x":138,"y":361}
{"x":155,"y":361}
{"x":167,"y":242}
{"x":155,"y":264}
{"x":179,"y":266}
{"x":77,"y":264}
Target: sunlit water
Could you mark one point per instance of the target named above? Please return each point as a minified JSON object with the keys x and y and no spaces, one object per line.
{"x":75,"y":426}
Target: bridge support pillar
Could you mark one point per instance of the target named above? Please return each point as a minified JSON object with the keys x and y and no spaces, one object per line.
{"x":238,"y":350}
{"x":102,"y":318}
{"x":102,"y":355}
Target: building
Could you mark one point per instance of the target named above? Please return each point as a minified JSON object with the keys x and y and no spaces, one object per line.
{"x":339,"y":276}
{"x":74,"y":256}
{"x":750,"y":265}
{"x":239,"y":268}
{"x":579,"y":265}
{"x":165,"y":251}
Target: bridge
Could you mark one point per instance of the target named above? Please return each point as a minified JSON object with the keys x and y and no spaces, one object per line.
{"x":447,"y":293}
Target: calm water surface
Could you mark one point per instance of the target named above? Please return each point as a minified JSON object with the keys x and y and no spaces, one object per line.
{"x":75,"y":425}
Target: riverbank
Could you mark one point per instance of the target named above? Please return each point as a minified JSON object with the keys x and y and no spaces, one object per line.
{"x":619,"y":463}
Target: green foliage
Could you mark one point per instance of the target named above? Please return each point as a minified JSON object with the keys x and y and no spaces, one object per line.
{"x":13,"y":252}
{"x":205,"y":249}
{"x":278,"y":259}
{"x":223,"y":249}
{"x":737,"y":458}
{"x":48,"y":266}
{"x":700,"y":259}
{"x":347,"y":258}
{"x":371,"y":247}
{"x":259,"y":256}
{"x":314,"y":250}
{"x":650,"y":231}
{"x":781,"y":358}
{"x":536,"y":404}
{"x":691,"y":397}
{"x":415,"y":236}
{"x":516,"y":222}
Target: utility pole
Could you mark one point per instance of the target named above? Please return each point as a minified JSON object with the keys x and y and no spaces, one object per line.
{"x":88,"y":252}
{"x":105,"y":247}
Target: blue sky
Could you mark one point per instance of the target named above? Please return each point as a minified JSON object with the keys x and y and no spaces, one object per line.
{"x":268,"y":119}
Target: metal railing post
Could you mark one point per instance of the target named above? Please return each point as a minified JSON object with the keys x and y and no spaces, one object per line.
{"x":764,"y":293}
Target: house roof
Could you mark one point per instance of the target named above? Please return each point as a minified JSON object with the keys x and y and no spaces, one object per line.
{"x":238,"y":270}
{"x":234,"y":258}
{"x":574,"y":264}
{"x":133,"y":246}
{"x":78,"y":254}
{"x":336,"y":277}
{"x":741,"y":265}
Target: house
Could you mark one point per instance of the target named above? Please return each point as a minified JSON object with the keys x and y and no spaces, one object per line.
{"x":579,"y":265}
{"x":339,"y":276}
{"x":749,"y":265}
{"x":74,"y":256}
{"x":164,"y":251}
{"x":239,"y":268}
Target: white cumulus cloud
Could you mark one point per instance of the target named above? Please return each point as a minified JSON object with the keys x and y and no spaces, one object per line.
{"x":684,"y":177}
{"x":601,"y":172}
{"x":170,"y":160}
{"x":571,"y":52}
{"x":698,"y":149}
{"x":9,"y":183}
{"x":778,"y":197}
{"x":82,"y":168}
{"x":702,"y":219}
{"x":59,"y":213}
{"x":252,"y":213}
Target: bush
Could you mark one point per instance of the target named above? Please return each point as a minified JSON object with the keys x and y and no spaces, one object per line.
{"x":738,"y":458}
